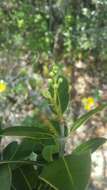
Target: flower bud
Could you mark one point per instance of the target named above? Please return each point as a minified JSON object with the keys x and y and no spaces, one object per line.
{"x":51,"y":74}
{"x":50,"y":81}
{"x":60,"y":80}
{"x":56,"y":86}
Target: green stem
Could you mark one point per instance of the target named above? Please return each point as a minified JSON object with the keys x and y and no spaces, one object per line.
{"x":62,"y":140}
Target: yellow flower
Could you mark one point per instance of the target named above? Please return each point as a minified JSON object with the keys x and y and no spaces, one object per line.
{"x":88,"y":103}
{"x":3,"y":86}
{"x":91,"y":101}
{"x":87,"y":107}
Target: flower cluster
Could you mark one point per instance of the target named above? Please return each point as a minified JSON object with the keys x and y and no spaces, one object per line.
{"x":89,"y":103}
{"x":54,"y":81}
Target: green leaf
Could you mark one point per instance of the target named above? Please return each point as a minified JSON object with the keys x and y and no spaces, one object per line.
{"x":24,"y":149}
{"x":90,"y":145}
{"x":83,"y":119}
{"x":15,"y":151}
{"x":49,"y":151}
{"x":5,"y":177}
{"x":63,"y":94}
{"x":27,"y":132}
{"x":34,"y":141}
{"x":10,"y":150}
{"x":71,"y":172}
{"x":25,"y":178}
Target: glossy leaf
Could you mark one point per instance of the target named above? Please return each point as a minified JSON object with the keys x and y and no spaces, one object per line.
{"x":25,"y":178}
{"x":83,"y":119}
{"x":63,"y":94}
{"x":90,"y":145}
{"x":71,"y":172}
{"x":15,"y":151}
{"x":5,"y":177}
{"x":9,"y":150}
{"x":27,"y":132}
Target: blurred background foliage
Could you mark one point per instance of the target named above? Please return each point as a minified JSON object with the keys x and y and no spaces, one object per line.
{"x":53,"y":27}
{"x":41,"y":32}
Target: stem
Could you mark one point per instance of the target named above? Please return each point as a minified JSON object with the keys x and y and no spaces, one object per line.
{"x":62,"y":140}
{"x":57,"y":107}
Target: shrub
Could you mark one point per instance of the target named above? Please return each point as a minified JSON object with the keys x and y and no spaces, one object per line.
{"x":39,"y":162}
